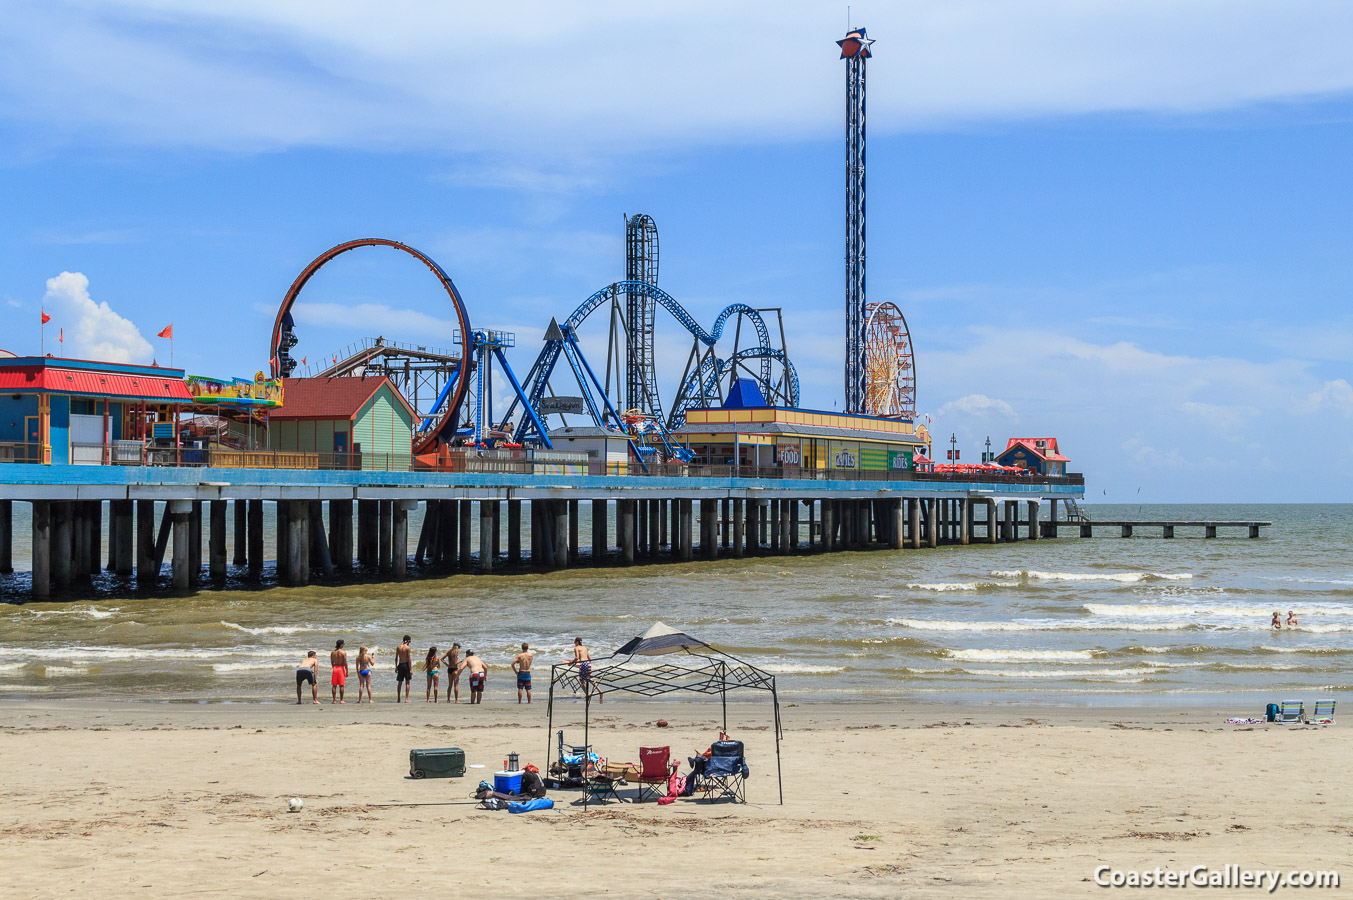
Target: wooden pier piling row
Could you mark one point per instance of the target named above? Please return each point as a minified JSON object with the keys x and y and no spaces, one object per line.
{"x":329,"y":528}
{"x":1127,"y":528}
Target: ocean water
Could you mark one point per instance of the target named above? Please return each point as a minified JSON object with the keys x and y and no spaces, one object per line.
{"x":1070,"y":621}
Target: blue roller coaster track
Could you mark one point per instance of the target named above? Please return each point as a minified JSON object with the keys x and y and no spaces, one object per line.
{"x":703,"y":384}
{"x":537,"y":380}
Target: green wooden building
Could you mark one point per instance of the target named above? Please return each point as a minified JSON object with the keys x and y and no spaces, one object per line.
{"x":349,"y":423}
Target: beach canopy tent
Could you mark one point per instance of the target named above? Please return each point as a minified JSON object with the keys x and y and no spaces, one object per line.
{"x":663,"y":661}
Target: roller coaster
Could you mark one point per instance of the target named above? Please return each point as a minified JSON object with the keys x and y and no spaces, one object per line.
{"x":762,"y":373}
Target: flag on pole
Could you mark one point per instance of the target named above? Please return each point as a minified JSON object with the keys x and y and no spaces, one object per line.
{"x":61,"y":336}
{"x":45,"y":318}
{"x":167,"y":332}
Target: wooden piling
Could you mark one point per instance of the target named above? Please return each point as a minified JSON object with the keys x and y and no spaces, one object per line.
{"x":399,"y":536}
{"x":386,"y":526}
{"x":240,"y":508}
{"x":739,"y":532}
{"x":42,"y":548}
{"x":514,"y":532}
{"x":216,"y":555}
{"x":255,"y":513}
{"x":180,"y":514}
{"x":120,"y":512}
{"x":560,"y":532}
{"x":195,"y":544}
{"x":368,"y":526}
{"x":600,"y":539}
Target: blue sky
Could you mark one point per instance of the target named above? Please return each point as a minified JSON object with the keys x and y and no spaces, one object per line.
{"x":1124,"y":224}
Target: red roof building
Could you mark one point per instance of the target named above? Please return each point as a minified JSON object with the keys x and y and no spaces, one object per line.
{"x":62,"y":411}
{"x":350,"y":422}
{"x":1037,"y":454}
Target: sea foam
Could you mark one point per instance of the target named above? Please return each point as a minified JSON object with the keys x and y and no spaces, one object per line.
{"x":1120,"y":577}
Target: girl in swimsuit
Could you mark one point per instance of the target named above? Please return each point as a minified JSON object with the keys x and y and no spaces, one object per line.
{"x":365,"y":662}
{"x":430,"y":664}
{"x":452,"y":660}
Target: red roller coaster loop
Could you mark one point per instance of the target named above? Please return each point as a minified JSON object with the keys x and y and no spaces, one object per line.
{"x":456,"y":396}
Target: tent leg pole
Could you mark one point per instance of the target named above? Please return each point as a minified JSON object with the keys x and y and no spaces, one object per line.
{"x":587,"y":753}
{"x":549,"y":724}
{"x":723,"y":693}
{"x":779,"y":779}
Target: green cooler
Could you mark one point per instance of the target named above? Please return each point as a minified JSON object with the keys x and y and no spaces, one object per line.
{"x":448,"y":762}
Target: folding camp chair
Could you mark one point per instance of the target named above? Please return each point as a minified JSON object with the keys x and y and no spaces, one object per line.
{"x":725,"y":773}
{"x":1324,"y":713}
{"x":1291,"y":712}
{"x":654,"y":771}
{"x":601,"y":788}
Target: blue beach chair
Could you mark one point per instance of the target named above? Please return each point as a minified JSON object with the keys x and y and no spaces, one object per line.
{"x":1291,"y":712}
{"x":1323,"y":714}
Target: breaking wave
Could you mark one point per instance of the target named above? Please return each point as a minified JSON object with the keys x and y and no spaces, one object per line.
{"x":1019,"y":655}
{"x":1119,"y":577}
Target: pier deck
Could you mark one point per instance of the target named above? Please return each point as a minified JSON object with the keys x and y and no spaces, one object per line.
{"x":336,"y":521}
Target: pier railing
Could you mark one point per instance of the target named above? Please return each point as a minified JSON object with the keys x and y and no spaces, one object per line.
{"x":515,"y":461}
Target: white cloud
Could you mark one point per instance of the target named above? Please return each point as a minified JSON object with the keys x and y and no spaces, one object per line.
{"x":978,"y":406}
{"x":1196,"y":422}
{"x":1336,"y":396}
{"x":535,"y":76}
{"x":92,"y":330}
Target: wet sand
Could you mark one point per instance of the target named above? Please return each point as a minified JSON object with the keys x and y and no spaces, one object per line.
{"x":880,"y":800}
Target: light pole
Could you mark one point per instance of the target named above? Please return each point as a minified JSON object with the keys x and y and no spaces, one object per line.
{"x":987,"y":457}
{"x":953,"y":448}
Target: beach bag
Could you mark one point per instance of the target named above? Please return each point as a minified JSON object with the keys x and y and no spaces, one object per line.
{"x":532,"y":785}
{"x":494,"y":803}
{"x":1271,"y":712}
{"x":530,"y":805}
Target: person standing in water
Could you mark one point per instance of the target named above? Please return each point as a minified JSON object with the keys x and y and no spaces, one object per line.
{"x":403,"y":668}
{"x":430,"y":665}
{"x":365,"y":661}
{"x":1292,"y":619}
{"x":521,"y":664}
{"x":306,"y":672}
{"x":1277,"y":622}
{"x":452,"y":662}
{"x":479,"y":673}
{"x":338,"y":678}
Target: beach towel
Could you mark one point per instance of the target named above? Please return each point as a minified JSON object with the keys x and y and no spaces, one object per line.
{"x":530,"y":805}
{"x":676,"y":787}
{"x":1241,"y":721}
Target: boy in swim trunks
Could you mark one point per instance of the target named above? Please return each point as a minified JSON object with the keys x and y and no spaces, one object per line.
{"x":582,"y":658}
{"x":404,"y":668}
{"x":338,"y":679}
{"x":521,"y":664}
{"x":479,"y":673}
{"x":306,"y":672}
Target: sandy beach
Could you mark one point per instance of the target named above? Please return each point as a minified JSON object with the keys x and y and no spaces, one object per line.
{"x":946,"y":801}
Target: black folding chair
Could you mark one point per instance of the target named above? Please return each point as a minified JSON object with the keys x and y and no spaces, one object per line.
{"x":725,"y":773}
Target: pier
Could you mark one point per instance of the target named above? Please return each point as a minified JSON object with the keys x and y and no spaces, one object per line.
{"x":1127,"y":528}
{"x":332,"y":523}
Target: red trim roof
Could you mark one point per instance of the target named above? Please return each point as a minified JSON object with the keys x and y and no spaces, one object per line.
{"x":330,"y":398}
{"x":1050,"y":454}
{"x":48,"y":380}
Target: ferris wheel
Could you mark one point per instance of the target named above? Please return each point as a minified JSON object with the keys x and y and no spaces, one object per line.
{"x":889,"y":367}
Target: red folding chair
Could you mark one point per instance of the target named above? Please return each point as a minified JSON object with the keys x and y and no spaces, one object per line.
{"x":654,"y":770}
